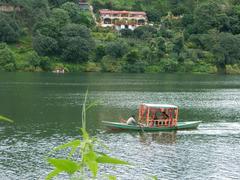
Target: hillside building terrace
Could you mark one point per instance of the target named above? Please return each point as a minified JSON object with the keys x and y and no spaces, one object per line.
{"x":122,"y":19}
{"x":4,"y":7}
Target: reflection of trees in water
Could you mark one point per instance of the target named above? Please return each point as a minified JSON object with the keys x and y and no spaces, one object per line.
{"x":160,"y":138}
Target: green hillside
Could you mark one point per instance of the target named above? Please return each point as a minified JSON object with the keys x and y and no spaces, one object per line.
{"x":200,"y":36}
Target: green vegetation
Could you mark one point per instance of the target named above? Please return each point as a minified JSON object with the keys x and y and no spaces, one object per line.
{"x":89,"y":159}
{"x":184,"y":36}
{"x":2,"y":118}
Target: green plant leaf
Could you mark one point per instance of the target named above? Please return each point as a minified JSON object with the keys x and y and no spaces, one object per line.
{"x":65,"y":165}
{"x":92,"y":104}
{"x":90,"y":160}
{"x":52,"y":174}
{"x":2,"y":118}
{"x":107,"y":159}
{"x":110,"y":177}
{"x":154,"y":177}
{"x":71,"y":144}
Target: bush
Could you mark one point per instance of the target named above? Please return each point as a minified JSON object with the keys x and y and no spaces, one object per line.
{"x":153,"y":69}
{"x":92,"y":67}
{"x":126,"y":32}
{"x":203,"y":67}
{"x":169,"y":65}
{"x":100,"y":51}
{"x":138,"y":67}
{"x":109,"y":65}
{"x":45,"y":64}
{"x":33,"y":59}
{"x":7,"y":58}
{"x":233,"y":69}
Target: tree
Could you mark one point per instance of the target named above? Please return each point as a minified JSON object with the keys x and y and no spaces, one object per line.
{"x":178,"y":45}
{"x":132,"y":57}
{"x":160,"y":47}
{"x":226,"y":50}
{"x":76,"y":43}
{"x":154,"y":15}
{"x":7,"y":59}
{"x":33,"y":59}
{"x":47,"y":32}
{"x":116,"y":49}
{"x":211,"y":15}
{"x":52,"y":25}
{"x":145,"y":32}
{"x":126,"y":32}
{"x":60,"y":16}
{"x":187,"y":20}
{"x":45,"y":45}
{"x":77,"y":15}
{"x":58,"y":3}
{"x":100,"y":52}
{"x":9,"y":29}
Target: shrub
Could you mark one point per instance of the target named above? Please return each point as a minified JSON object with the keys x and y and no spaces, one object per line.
{"x":138,"y":67}
{"x":169,"y":65}
{"x":110,"y":65}
{"x":45,"y":63}
{"x":92,"y":67}
{"x":7,"y":58}
{"x":153,"y":69}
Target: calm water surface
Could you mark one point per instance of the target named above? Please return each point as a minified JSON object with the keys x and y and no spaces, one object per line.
{"x":47,"y":110}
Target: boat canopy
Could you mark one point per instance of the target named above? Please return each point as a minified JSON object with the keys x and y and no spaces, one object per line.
{"x":158,"y":114}
{"x":159,"y":105}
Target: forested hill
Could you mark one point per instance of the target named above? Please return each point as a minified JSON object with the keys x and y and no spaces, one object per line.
{"x":183,"y":36}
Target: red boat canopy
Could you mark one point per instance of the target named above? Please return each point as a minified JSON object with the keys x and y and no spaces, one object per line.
{"x":158,"y":114}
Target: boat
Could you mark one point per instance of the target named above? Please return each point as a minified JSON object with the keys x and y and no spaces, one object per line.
{"x":155,"y":117}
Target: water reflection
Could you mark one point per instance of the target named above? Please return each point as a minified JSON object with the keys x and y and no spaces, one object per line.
{"x":159,"y":138}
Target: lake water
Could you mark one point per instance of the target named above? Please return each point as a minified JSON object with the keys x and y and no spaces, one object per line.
{"x":46,"y":109}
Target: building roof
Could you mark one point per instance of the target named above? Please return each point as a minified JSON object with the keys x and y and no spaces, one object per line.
{"x":107,"y":11}
{"x":159,"y":105}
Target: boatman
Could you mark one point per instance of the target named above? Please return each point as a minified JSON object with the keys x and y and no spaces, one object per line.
{"x":131,"y":120}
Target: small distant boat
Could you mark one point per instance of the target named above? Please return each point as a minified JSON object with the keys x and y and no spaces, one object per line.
{"x":59,"y":71}
{"x":155,"y":117}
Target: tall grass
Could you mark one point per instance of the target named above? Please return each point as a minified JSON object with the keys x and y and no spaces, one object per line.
{"x":87,"y":166}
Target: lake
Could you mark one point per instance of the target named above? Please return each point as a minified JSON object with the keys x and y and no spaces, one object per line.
{"x":46,"y":109}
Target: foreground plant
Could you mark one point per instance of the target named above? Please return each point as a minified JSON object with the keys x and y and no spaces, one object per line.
{"x":83,"y":157}
{"x":2,"y":118}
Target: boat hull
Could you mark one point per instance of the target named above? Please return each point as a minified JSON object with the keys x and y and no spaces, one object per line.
{"x":180,"y":126}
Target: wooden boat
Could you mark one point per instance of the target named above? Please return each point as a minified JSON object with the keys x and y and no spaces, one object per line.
{"x":155,"y":117}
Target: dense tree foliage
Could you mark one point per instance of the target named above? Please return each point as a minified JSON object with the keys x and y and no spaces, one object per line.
{"x":9,"y":29}
{"x":182,"y":36}
{"x":76,"y":43}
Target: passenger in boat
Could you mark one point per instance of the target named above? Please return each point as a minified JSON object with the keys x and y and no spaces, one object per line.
{"x":155,"y":119}
{"x":131,"y":120}
{"x":164,"y":115}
